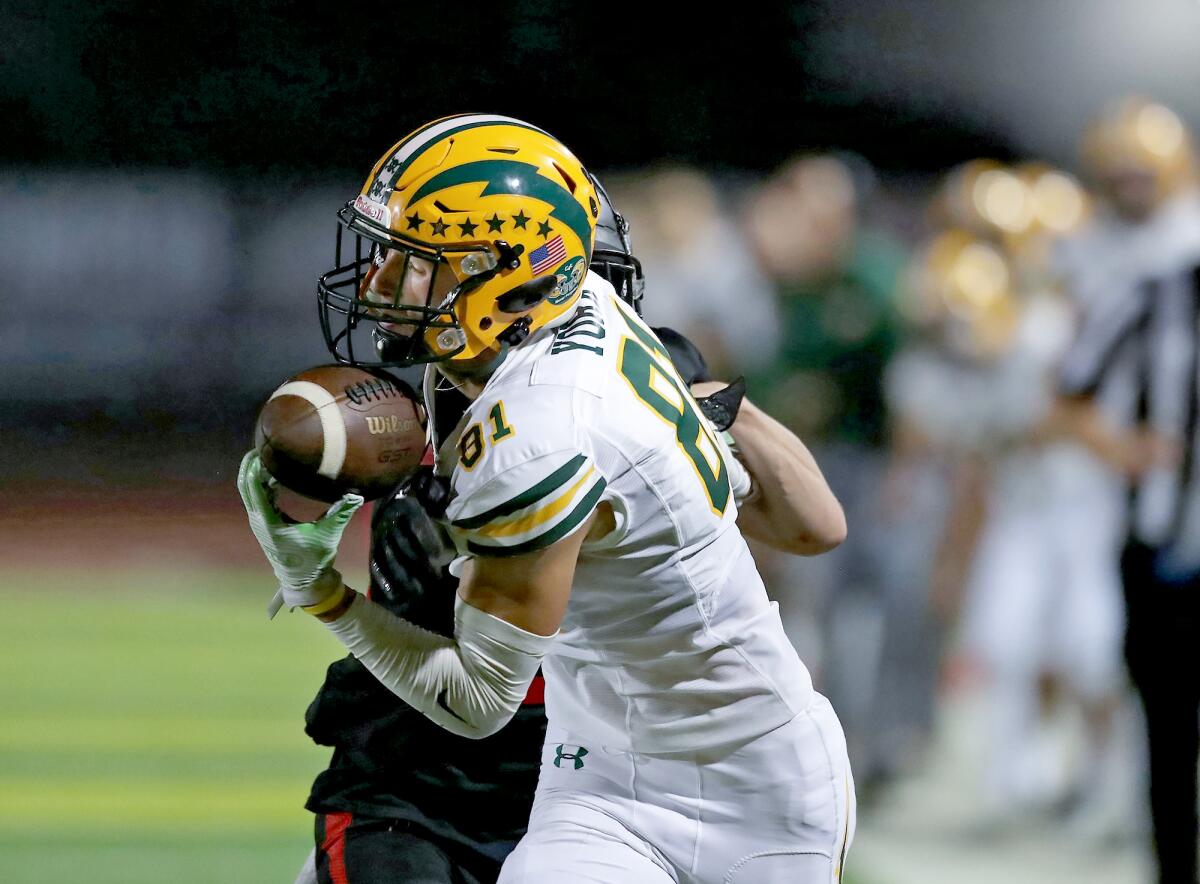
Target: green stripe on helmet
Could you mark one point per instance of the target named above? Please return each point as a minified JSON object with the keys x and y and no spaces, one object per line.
{"x":399,"y":168}
{"x":512,"y":177}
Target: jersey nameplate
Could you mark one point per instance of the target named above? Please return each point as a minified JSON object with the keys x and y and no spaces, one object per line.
{"x":584,"y":329}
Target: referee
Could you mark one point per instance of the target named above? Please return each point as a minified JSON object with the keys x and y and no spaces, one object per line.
{"x":1139,"y":355}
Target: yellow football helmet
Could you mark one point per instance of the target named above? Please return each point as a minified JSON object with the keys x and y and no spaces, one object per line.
{"x":470,"y":234}
{"x":1060,"y":208}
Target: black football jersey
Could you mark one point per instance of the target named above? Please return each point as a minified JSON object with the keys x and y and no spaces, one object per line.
{"x":390,"y":760}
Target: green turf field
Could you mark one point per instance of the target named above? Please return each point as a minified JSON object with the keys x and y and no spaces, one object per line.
{"x":151,"y":729}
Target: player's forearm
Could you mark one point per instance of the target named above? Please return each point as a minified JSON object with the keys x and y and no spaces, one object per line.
{"x":1081,"y":420}
{"x":1130,"y":451}
{"x":471,"y":684}
{"x":792,"y":507}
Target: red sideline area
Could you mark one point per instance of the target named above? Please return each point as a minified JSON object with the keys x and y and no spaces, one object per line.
{"x":175,"y":524}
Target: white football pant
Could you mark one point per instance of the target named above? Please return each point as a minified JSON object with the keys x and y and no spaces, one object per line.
{"x":778,"y":809}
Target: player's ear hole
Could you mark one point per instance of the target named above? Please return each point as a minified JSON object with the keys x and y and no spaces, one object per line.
{"x":527,"y":295}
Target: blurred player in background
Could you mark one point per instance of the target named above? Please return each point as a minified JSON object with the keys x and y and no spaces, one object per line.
{"x":1041,"y":607}
{"x":1139,"y":158}
{"x":1129,"y":386}
{"x":564,"y":483}
{"x":699,"y":258}
{"x":835,"y":278}
{"x":957,"y":301}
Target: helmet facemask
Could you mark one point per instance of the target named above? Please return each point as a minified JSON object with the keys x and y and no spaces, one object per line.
{"x":392,"y":324}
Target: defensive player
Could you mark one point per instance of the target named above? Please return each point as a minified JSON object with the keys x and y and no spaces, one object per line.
{"x":594,"y":512}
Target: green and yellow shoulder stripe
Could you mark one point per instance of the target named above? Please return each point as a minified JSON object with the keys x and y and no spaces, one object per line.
{"x":528,"y":507}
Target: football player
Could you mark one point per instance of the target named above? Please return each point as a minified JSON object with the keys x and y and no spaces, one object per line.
{"x":402,"y":799}
{"x":598,"y":522}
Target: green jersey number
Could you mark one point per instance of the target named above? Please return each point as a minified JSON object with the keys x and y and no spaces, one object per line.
{"x":659,"y":387}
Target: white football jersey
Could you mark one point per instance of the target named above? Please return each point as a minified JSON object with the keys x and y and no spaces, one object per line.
{"x":669,"y":641}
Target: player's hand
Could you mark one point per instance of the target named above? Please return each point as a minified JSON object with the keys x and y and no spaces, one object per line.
{"x":720,"y":402}
{"x":301,"y":553}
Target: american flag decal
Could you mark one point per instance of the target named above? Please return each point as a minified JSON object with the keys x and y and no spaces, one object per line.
{"x":545,"y":257}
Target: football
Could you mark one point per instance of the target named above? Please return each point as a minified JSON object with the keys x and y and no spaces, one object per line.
{"x":337,"y":428}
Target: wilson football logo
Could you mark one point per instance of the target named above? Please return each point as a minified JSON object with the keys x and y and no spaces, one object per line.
{"x":377,"y":426}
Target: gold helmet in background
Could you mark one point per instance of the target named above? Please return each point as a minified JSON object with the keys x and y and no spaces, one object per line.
{"x":1060,"y":207}
{"x":1059,"y":204}
{"x":1021,"y":210}
{"x":959,"y":291}
{"x":1140,"y":154}
{"x":986,"y":198}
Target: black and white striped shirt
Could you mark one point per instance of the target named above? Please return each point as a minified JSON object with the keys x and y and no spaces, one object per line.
{"x":1146,"y":343}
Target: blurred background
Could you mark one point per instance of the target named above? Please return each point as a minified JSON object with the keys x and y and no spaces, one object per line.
{"x":891,"y":217}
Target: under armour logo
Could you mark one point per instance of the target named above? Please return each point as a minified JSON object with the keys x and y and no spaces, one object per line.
{"x":576,"y":756}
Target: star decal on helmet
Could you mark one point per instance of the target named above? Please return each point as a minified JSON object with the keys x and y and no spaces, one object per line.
{"x":439,"y":227}
{"x":467,"y":228}
{"x":544,"y":229}
{"x":515,"y":178}
{"x":414,"y":221}
{"x":495,"y":223}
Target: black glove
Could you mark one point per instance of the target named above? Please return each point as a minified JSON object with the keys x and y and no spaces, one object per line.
{"x":722,"y":406}
{"x":410,"y":558}
{"x":428,"y":489}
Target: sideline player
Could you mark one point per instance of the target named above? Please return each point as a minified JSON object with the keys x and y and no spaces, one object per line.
{"x":594,"y":512}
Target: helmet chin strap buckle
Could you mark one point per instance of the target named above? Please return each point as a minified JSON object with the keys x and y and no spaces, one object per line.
{"x":383,"y":342}
{"x":509,"y":257}
{"x":516,"y":333}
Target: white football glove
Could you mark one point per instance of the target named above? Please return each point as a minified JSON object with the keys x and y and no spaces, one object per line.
{"x":301,"y":553}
